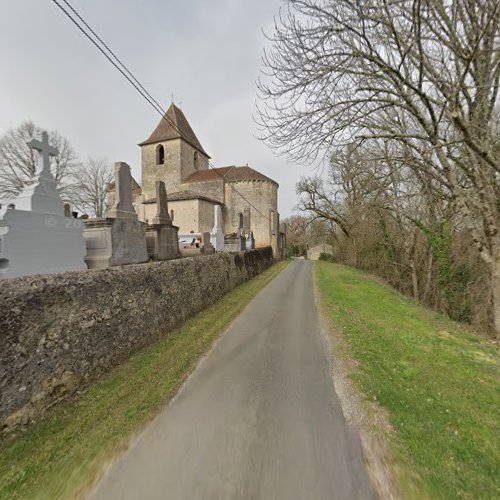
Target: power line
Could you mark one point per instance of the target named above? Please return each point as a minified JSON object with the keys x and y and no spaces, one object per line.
{"x":129,"y":76}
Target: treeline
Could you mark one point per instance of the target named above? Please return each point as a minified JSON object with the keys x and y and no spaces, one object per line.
{"x":386,"y":222}
{"x":401,"y":98}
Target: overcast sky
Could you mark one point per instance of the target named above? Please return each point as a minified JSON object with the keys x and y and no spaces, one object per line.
{"x":206,"y":52}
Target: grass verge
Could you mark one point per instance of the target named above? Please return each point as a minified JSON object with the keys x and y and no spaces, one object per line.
{"x":439,"y":384}
{"x":62,"y":455}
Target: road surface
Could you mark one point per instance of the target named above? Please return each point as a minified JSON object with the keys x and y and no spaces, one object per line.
{"x":258,"y":419}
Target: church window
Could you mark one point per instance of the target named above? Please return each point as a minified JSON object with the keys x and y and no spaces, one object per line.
{"x":160,"y":155}
{"x":195,"y":160}
{"x":240,"y":221}
{"x":171,"y":214}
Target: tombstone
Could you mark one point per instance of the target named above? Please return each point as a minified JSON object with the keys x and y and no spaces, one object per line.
{"x":36,"y":237}
{"x":162,"y":236}
{"x":246,"y":221}
{"x":162,"y":216}
{"x":234,"y":242}
{"x":250,"y":242}
{"x":217,"y":234}
{"x":120,"y":238}
{"x":123,"y":207}
{"x":206,"y":246}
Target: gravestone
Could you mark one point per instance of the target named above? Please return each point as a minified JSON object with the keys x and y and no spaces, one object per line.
{"x":217,"y":234}
{"x":120,"y":238}
{"x":246,"y":221}
{"x":234,"y":242}
{"x":162,"y":235}
{"x":250,"y":242}
{"x":206,"y":247}
{"x":36,"y":237}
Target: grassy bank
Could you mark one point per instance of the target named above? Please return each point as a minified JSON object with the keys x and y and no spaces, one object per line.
{"x":60,"y":456}
{"x":439,"y":384}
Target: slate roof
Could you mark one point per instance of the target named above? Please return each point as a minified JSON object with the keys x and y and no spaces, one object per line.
{"x":230,"y":174}
{"x":174,"y":125}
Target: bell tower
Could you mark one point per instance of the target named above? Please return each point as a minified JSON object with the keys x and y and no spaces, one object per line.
{"x":171,"y":154}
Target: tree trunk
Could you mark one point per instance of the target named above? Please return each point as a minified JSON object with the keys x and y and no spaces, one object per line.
{"x":414,"y":280}
{"x":428,"y":280}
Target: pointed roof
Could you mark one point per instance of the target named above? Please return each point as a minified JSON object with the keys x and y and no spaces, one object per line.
{"x":174,"y":125}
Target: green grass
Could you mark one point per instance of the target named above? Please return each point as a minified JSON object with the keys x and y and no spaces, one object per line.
{"x":439,"y":384}
{"x":60,"y":456}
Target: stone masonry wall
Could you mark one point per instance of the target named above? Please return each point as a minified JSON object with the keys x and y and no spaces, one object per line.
{"x":186,"y":214}
{"x":59,"y":331}
{"x":168,"y":172}
{"x":264,"y":196}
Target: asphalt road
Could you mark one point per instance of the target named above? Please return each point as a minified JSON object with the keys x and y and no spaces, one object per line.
{"x":258,"y":419}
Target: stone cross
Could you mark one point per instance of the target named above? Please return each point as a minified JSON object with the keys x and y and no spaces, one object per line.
{"x":162,"y":216}
{"x":41,"y":195}
{"x":46,"y":151}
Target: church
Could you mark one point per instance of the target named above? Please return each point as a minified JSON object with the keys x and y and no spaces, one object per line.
{"x":173,"y":154}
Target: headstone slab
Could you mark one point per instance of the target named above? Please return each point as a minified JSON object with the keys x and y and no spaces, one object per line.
{"x":162,"y":216}
{"x":234,"y":242}
{"x":217,"y":234}
{"x":41,"y":196}
{"x":123,"y":207}
{"x":246,"y":221}
{"x":163,"y":242}
{"x":206,"y":246}
{"x":250,"y":242}
{"x":114,"y":242}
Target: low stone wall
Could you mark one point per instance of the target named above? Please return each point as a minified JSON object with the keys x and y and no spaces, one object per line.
{"x":58,"y":331}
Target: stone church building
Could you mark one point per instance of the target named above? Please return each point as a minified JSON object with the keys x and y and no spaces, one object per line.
{"x":173,"y":154}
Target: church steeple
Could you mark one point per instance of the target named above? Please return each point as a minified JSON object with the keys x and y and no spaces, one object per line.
{"x":174,"y":125}
{"x":171,"y":154}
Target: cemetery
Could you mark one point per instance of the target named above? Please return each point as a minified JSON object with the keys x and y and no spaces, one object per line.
{"x":70,"y":284}
{"x":39,"y":234}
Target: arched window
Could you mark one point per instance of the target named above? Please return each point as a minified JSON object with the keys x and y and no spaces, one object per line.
{"x":240,"y":222}
{"x":160,"y":155}
{"x":195,"y":160}
{"x":171,"y":215}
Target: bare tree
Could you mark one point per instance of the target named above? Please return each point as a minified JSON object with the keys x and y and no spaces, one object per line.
{"x":421,"y":75}
{"x":18,"y":162}
{"x":88,"y":191}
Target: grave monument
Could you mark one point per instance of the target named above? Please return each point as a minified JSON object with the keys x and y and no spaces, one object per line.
{"x":120,"y":238}
{"x":217,"y":234}
{"x":162,"y":235}
{"x":206,"y":246}
{"x":36,"y":235}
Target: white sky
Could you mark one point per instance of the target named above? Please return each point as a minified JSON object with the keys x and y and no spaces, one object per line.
{"x":207,"y":52}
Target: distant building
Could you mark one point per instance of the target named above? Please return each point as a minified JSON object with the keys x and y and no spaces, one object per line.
{"x":314,"y":252}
